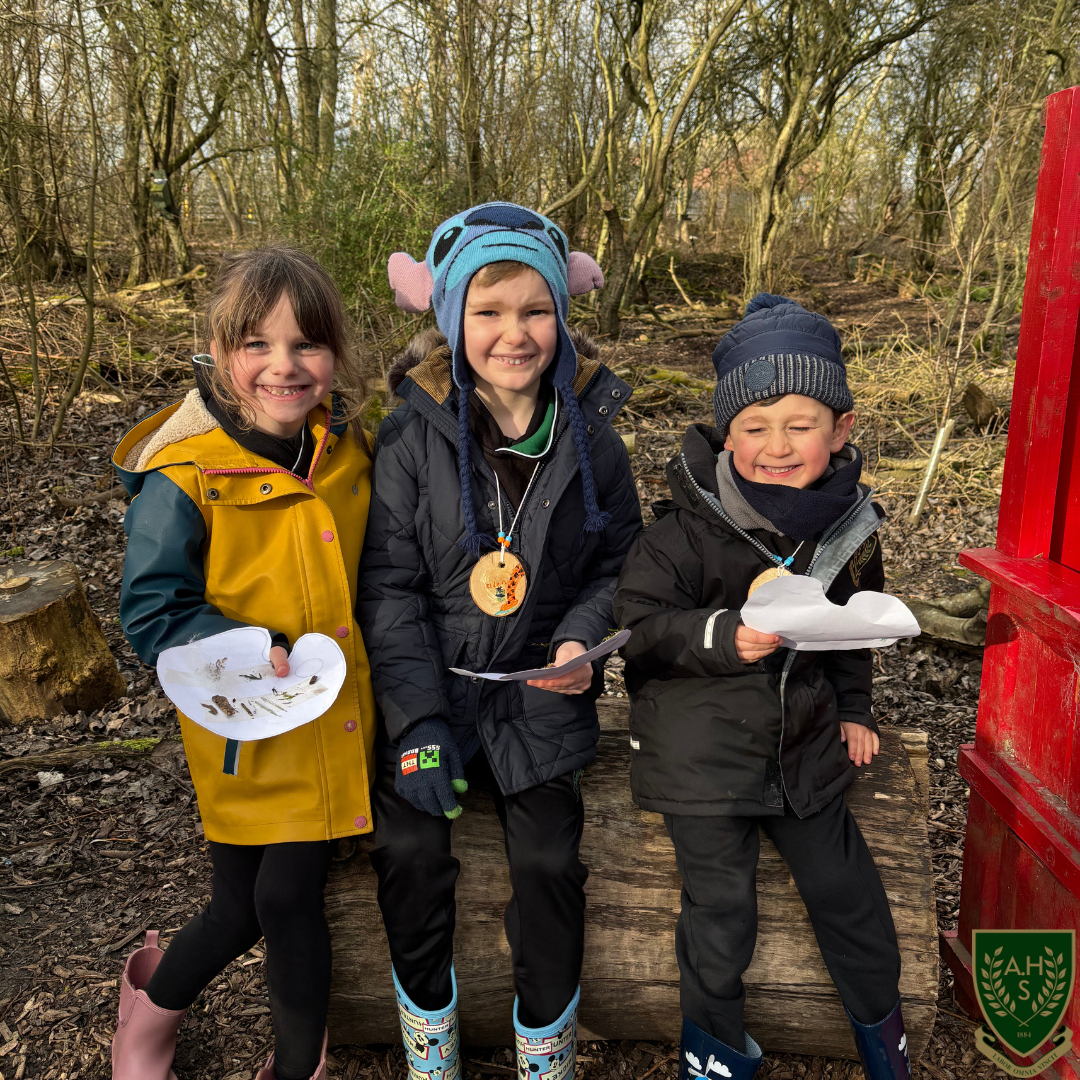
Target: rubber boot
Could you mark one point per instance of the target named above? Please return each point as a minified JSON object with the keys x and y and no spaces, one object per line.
{"x":700,"y":1055}
{"x":430,"y":1038}
{"x":267,"y":1071}
{"x":548,"y":1051}
{"x":145,"y":1039}
{"x":883,"y":1047}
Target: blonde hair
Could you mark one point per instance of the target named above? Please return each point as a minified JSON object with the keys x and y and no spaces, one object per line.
{"x":248,"y":287}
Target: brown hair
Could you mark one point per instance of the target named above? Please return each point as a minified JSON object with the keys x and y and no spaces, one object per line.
{"x":494,"y":272}
{"x":247,"y":289}
{"x":836,"y":413}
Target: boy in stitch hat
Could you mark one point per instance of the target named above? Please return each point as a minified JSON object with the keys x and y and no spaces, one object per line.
{"x":729,"y":731}
{"x":504,"y":506}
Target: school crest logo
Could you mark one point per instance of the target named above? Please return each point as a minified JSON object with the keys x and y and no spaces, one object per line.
{"x":1024,"y":982}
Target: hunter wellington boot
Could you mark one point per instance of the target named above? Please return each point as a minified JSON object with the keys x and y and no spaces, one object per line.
{"x":145,"y":1039}
{"x":548,"y":1051}
{"x":701,"y":1057}
{"x":883,"y":1047}
{"x":267,"y":1071}
{"x":430,"y":1038}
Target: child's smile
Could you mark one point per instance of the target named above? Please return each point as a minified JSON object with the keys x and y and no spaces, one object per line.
{"x":789,"y":441}
{"x":511,"y":333}
{"x":281,"y":373}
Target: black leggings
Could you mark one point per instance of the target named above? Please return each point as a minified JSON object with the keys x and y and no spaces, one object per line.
{"x":276,"y":892}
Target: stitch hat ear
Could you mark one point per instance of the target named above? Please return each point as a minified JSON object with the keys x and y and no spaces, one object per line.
{"x":582,"y":274}
{"x":411,"y":282}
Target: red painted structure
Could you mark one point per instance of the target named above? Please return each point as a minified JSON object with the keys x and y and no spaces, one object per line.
{"x":1022,"y":848}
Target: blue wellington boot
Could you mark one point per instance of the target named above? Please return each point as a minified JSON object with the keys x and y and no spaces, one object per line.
{"x":883,"y":1047}
{"x":430,"y":1038}
{"x":701,"y":1055}
{"x":548,"y":1053}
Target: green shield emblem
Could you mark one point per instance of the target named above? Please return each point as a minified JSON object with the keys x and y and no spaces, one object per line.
{"x":1024,"y":981}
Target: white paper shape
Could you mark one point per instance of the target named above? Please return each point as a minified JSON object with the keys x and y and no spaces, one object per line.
{"x":226,"y":683}
{"x":797,"y":609}
{"x":609,"y":645}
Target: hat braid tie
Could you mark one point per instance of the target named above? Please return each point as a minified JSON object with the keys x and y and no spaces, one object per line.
{"x":596,"y":520}
{"x":474,"y":542}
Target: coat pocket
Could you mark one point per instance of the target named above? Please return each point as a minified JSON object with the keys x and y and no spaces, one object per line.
{"x":557,"y":725}
{"x":453,"y":644}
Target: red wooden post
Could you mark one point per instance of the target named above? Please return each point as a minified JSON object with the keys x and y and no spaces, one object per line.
{"x":1022,"y":848}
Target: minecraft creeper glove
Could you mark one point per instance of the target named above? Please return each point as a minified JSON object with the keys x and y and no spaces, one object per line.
{"x":430,"y":770}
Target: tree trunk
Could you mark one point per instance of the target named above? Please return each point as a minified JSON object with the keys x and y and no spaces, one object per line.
{"x":181,"y":252}
{"x":326,"y":48}
{"x":630,"y":980}
{"x":617,"y":273}
{"x":307,"y":91}
{"x":236,"y":227}
{"x":53,"y":657}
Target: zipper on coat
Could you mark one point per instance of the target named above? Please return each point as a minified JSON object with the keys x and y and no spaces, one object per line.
{"x":844,"y":523}
{"x":717,"y":508}
{"x":841,"y":526}
{"x":502,"y":629}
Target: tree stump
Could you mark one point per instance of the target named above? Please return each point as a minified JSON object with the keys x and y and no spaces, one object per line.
{"x":630,"y":981}
{"x":53,"y":656}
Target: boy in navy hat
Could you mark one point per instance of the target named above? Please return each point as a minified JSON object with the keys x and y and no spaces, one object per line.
{"x":729,"y":731}
{"x":503,"y":509}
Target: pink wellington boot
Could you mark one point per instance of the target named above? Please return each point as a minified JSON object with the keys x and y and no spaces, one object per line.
{"x":267,"y":1071}
{"x":145,"y":1039}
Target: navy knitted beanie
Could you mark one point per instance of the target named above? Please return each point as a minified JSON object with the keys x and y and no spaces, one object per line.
{"x":460,"y":246}
{"x":778,"y":347}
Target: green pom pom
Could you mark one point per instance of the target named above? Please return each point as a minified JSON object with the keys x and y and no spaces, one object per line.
{"x":460,"y":786}
{"x":455,"y":813}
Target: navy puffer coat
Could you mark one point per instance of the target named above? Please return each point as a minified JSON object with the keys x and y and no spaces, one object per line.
{"x":414,"y":605}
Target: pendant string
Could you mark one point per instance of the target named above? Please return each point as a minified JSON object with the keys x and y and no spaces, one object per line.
{"x":785,"y":563}
{"x":506,"y":538}
{"x":303,"y":439}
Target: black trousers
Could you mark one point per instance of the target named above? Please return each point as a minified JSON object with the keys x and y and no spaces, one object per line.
{"x":544,"y":921}
{"x":274,"y":892}
{"x":717,"y":929}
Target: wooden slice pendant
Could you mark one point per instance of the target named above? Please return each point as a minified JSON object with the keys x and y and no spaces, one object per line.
{"x":768,"y":575}
{"x":498,"y":589}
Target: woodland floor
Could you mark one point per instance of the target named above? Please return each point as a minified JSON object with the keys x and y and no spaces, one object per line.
{"x":92,"y":854}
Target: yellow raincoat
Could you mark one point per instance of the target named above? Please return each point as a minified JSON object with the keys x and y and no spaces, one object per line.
{"x":279,"y":552}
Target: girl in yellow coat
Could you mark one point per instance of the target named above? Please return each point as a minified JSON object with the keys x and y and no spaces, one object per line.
{"x":250,"y":499}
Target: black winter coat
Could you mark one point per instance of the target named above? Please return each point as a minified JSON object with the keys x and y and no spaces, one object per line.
{"x":711,"y":735}
{"x":414,"y":606}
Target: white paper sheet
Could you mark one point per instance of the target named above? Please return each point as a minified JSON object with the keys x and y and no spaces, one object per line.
{"x":226,"y":683}
{"x":797,"y":609}
{"x":616,"y":641}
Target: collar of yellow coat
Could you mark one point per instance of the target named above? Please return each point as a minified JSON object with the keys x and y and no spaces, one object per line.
{"x":186,"y":432}
{"x":432,"y":375}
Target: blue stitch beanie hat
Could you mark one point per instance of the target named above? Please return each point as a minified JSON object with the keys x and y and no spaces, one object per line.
{"x":462,"y":245}
{"x":778,"y":347}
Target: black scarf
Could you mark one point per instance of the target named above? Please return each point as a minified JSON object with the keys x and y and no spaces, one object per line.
{"x":294,"y":454}
{"x":803,"y":513}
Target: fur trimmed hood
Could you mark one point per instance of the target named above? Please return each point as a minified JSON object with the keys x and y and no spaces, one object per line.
{"x":192,"y":418}
{"x":432,"y":340}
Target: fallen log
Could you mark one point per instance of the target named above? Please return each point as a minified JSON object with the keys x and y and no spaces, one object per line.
{"x":960,"y":618}
{"x":72,"y":755}
{"x":118,"y":491}
{"x":630,"y":981}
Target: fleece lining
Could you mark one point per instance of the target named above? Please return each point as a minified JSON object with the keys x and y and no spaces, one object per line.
{"x":192,"y":418}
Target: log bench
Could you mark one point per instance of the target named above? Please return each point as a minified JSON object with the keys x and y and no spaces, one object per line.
{"x":630,"y":981}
